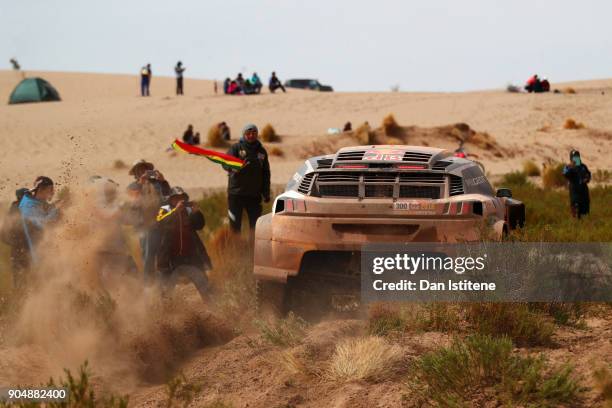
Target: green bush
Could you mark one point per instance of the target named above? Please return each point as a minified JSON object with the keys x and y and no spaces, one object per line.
{"x":513,"y":320}
{"x":468,"y":369}
{"x":283,"y":332}
{"x":515,"y":178}
{"x":531,"y":169}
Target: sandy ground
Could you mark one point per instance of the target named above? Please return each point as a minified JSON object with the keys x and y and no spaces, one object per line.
{"x":102,"y":119}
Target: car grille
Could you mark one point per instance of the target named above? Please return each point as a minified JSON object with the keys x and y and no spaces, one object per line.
{"x":441,"y":165}
{"x":351,"y":155}
{"x":339,"y":190}
{"x":324,"y":164}
{"x":419,"y":192}
{"x":456,"y":185}
{"x":306,"y":183}
{"x":416,"y":157}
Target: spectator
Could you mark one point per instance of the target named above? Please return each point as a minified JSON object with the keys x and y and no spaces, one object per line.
{"x":188,"y":135}
{"x":578,"y":175}
{"x":248,"y":185}
{"x":256,"y":83}
{"x":275,"y":83}
{"x":196,"y":138}
{"x":240,"y":82}
{"x":348,"y":127}
{"x":153,"y":189}
{"x":179,"y":69}
{"x":145,"y":80}
{"x":224,"y":130}
{"x":226,"y":85}
{"x":233,"y":88}
{"x":182,"y":253}
{"x":37,"y":213}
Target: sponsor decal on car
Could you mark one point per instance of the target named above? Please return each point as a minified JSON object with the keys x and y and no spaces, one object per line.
{"x":384,"y":154}
{"x":420,"y":207}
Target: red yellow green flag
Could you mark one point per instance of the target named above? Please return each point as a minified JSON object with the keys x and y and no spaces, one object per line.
{"x":211,"y":155}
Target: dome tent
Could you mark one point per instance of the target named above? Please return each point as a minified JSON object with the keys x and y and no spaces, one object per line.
{"x":33,"y":90}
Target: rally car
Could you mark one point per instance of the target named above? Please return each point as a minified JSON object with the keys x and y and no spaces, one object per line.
{"x":307,"y":251}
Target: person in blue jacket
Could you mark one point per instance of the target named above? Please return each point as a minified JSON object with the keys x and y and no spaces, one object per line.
{"x":578,"y":176}
{"x":37,"y":212}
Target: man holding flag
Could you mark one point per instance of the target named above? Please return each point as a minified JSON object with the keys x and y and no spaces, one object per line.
{"x":250,"y":183}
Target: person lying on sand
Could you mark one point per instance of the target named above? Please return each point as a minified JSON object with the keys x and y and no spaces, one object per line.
{"x":182,"y":252}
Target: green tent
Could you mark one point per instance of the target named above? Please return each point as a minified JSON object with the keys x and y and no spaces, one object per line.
{"x":33,"y":90}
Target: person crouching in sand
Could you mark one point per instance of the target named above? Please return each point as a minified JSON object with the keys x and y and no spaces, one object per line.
{"x":182,"y":253}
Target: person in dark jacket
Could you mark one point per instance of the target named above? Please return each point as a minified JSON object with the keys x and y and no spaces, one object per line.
{"x":578,"y":175}
{"x":153,"y":189}
{"x":275,"y":83}
{"x":13,"y":235}
{"x":188,"y":135}
{"x":178,"y":70}
{"x":248,"y":185}
{"x":145,"y":79}
{"x":182,"y":252}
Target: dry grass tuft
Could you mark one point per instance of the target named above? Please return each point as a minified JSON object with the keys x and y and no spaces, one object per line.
{"x":390,"y":126}
{"x":363,"y":358}
{"x":365,"y":135}
{"x":531,"y":169}
{"x":276,"y":151}
{"x":603,"y":379}
{"x":569,"y":90}
{"x":602,"y":176}
{"x":215,"y":137}
{"x":269,"y":135}
{"x":552,"y":176}
{"x":571,"y":124}
{"x":119,"y":164}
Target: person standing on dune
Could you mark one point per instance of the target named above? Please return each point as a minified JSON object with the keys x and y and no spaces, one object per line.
{"x":179,"y":69}
{"x":145,"y":80}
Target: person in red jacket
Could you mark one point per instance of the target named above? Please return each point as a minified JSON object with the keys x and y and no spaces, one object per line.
{"x":532,"y":84}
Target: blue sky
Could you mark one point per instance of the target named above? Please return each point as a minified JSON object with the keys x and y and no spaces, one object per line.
{"x":435,"y":45}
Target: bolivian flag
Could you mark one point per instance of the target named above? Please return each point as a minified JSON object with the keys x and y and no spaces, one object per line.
{"x":211,"y":155}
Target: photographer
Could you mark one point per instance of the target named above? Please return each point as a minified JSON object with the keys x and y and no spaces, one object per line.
{"x":153,"y":188}
{"x":182,"y":253}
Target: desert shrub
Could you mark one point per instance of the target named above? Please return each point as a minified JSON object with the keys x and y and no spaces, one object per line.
{"x":384,"y":319}
{"x":80,"y":393}
{"x":283,"y":332}
{"x":180,"y":391}
{"x":437,"y":316}
{"x":569,"y":90}
{"x":268,"y":134}
{"x":513,"y":88}
{"x":394,"y":141}
{"x":602,"y":176}
{"x":571,"y":124}
{"x":276,"y":151}
{"x":390,"y":126}
{"x":364,"y":134}
{"x":515,"y":178}
{"x":517,"y":321}
{"x":567,"y":314}
{"x":119,"y":164}
{"x":552,"y":176}
{"x":453,"y":376}
{"x":603,"y":380}
{"x":214,"y":138}
{"x":531,"y":169}
{"x":363,"y":358}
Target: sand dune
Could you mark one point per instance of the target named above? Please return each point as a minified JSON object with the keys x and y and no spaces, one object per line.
{"x":102,"y":119}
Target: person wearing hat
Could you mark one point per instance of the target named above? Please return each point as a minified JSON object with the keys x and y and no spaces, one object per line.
{"x":182,"y":252}
{"x":13,"y":235}
{"x":37,"y":212}
{"x":250,"y":184}
{"x":578,"y":176}
{"x":153,"y":188}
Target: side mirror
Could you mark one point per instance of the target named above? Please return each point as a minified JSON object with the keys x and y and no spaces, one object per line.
{"x":504,"y":192}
